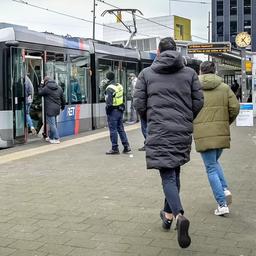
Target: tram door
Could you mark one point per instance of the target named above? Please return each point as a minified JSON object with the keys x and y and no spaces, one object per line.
{"x":34,"y":71}
{"x":17,"y":83}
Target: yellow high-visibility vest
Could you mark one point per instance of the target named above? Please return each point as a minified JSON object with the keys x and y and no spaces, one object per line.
{"x":118,"y":95}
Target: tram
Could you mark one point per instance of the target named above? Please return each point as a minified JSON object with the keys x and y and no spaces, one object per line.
{"x":78,"y":65}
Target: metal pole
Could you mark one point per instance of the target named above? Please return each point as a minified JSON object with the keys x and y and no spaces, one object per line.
{"x":209,"y":27}
{"x":169,"y":7}
{"x":254,"y":82}
{"x":243,"y":81}
{"x":209,"y":31}
{"x":94,"y":18}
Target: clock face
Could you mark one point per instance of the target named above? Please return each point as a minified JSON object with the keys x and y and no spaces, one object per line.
{"x":243,"y":39}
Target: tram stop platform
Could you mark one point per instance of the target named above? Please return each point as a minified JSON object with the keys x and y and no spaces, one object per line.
{"x":71,"y":199}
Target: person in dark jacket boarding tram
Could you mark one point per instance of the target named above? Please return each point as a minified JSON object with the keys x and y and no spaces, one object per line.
{"x":54,"y":101}
{"x":169,"y":96}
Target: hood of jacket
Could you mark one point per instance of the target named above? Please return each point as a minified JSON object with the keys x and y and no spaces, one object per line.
{"x":210,"y":81}
{"x":52,"y":85}
{"x":168,"y":62}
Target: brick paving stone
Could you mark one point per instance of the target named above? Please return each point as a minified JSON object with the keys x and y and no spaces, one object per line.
{"x":25,"y":245}
{"x":6,"y":251}
{"x":82,"y":203}
{"x":29,"y":253}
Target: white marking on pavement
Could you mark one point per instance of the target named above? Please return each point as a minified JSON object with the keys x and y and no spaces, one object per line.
{"x":52,"y":147}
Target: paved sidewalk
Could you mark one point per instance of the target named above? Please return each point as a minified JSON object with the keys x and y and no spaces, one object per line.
{"x":77,"y":201}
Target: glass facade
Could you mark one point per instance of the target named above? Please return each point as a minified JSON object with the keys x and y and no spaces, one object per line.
{"x":233,"y":7}
{"x":247,"y":7}
{"x":220,"y":8}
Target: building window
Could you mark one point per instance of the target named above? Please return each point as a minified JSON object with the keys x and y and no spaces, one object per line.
{"x":153,"y":45}
{"x":146,"y":45}
{"x":140,"y":44}
{"x":247,"y":6}
{"x":233,"y":27}
{"x":247,"y":26}
{"x":219,"y":8}
{"x":220,"y":28}
{"x":233,"y":7}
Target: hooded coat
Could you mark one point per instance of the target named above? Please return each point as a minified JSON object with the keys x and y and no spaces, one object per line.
{"x":53,"y":96}
{"x":169,"y":96}
{"x":211,"y":127}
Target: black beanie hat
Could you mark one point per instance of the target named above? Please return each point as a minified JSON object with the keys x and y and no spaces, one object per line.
{"x":110,"y":76}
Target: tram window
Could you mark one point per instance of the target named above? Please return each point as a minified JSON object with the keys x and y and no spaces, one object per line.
{"x":103,"y":67}
{"x":79,"y":81}
{"x":131,"y":70}
{"x":56,"y":68}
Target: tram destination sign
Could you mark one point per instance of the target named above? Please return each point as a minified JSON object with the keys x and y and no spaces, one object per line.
{"x":209,"y":47}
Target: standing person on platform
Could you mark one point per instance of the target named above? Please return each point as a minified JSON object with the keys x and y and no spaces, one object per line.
{"x":114,"y":96}
{"x":212,"y":133}
{"x":134,"y":117}
{"x":53,"y":101}
{"x":29,"y":93}
{"x":236,"y":88}
{"x":169,"y":95}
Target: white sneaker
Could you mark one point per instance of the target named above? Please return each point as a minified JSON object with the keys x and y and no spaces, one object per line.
{"x":228,"y":196}
{"x":47,"y":139}
{"x":54,"y":141}
{"x":33,"y":130}
{"x":221,"y":210}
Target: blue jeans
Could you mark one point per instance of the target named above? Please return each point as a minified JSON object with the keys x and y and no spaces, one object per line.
{"x":115,"y":124}
{"x":171,"y":187}
{"x":215,"y":174}
{"x":29,"y":120}
{"x":144,"y":126}
{"x":53,"y":131}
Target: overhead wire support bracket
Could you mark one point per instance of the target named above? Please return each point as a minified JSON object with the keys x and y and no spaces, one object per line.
{"x":132,"y":11}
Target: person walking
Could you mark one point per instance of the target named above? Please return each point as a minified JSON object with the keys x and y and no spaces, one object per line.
{"x":114,"y":96}
{"x":169,"y":95}
{"x":212,"y":132}
{"x":29,"y":93}
{"x":53,"y":102}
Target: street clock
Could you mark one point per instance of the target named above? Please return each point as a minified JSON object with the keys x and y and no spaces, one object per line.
{"x":243,"y":39}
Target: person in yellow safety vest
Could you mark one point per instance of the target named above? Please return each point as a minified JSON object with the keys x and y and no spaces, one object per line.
{"x":114,"y":96}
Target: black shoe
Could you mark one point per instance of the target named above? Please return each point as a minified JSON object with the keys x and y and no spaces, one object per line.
{"x":182,"y":226}
{"x":166,"y":223}
{"x":113,"y":152}
{"x":142,"y":148}
{"x":127,"y":149}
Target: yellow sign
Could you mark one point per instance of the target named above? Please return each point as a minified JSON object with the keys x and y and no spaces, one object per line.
{"x":248,"y":66}
{"x":182,"y":28}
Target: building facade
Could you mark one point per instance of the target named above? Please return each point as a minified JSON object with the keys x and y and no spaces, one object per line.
{"x":149,"y":31}
{"x":229,"y":17}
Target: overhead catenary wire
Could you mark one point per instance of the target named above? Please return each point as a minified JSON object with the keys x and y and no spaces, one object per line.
{"x":152,"y":21}
{"x":71,"y":16}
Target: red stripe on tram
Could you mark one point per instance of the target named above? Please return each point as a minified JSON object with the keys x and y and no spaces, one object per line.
{"x":77,"y":119}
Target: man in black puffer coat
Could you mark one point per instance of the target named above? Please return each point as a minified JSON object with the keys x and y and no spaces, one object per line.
{"x":169,"y":96}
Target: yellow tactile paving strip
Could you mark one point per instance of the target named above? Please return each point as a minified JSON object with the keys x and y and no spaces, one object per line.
{"x":52,"y":147}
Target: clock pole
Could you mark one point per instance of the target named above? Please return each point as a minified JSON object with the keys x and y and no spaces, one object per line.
{"x":243,"y":39}
{"x":243,"y":80}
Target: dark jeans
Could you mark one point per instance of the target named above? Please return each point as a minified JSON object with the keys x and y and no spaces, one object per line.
{"x":171,"y":187}
{"x":143,"y":124}
{"x":115,"y":124}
